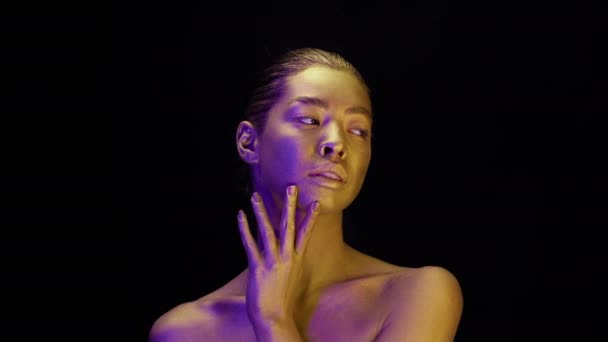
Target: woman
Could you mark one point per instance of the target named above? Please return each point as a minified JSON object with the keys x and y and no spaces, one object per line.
{"x":306,"y":139}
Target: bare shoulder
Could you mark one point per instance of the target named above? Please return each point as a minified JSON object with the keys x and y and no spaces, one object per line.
{"x":430,"y":283}
{"x":403,"y":280}
{"x":212,"y":317}
{"x":426,"y":305}
{"x":435,"y":276}
{"x":199,"y":319}
{"x":185,"y":322}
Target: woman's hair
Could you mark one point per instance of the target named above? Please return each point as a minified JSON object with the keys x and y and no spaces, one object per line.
{"x":272,"y":82}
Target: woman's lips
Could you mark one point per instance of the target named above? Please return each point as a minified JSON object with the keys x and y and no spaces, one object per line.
{"x":329,"y":175}
{"x":327,"y":179}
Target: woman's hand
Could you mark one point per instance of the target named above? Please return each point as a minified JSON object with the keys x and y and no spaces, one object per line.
{"x":274,"y":275}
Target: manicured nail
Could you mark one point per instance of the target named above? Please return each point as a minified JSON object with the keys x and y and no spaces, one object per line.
{"x":291,"y":190}
{"x":315,"y":206}
{"x":241,"y":215}
{"x":256,"y":198}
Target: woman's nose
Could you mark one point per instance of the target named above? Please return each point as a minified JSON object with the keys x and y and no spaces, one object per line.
{"x":333,"y":150}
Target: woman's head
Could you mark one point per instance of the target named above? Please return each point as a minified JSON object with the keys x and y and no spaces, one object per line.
{"x":272,"y":84}
{"x":309,"y":121}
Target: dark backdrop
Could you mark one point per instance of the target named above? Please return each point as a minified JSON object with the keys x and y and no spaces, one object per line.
{"x":120,"y":177}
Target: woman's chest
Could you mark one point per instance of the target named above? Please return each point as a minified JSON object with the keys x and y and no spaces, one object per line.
{"x":353,"y":312}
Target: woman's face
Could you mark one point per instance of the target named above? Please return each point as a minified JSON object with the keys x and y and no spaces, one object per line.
{"x":319,"y":129}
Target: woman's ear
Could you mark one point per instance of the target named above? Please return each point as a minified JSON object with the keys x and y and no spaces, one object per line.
{"x":247,"y":142}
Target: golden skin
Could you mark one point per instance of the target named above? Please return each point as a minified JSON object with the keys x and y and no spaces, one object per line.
{"x":299,"y":137}
{"x":399,"y":303}
{"x":290,"y":145}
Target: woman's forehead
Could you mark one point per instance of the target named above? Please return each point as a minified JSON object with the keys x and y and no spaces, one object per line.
{"x":327,"y":84}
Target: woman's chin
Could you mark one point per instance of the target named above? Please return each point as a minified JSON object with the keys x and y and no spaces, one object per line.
{"x":328,"y":202}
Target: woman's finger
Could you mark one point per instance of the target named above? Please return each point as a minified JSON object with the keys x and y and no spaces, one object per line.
{"x":267,"y":235}
{"x":251,"y":249}
{"x":288,"y":220}
{"x":307,"y":225}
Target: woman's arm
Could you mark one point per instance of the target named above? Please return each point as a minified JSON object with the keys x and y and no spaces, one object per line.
{"x":275,"y":271}
{"x":277,"y":332}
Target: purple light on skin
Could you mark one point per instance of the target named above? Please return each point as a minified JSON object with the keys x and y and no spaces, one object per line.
{"x":290,"y":151}
{"x":305,"y":142}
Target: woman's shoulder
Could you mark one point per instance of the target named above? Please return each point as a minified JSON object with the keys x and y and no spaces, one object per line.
{"x":204,"y":319}
{"x":401,"y":281}
{"x":425,"y":301}
{"x":404,"y":274}
{"x":434,"y":276}
{"x":409,"y":278}
{"x":432,"y":290}
{"x":194,"y":319}
{"x":179,"y":323}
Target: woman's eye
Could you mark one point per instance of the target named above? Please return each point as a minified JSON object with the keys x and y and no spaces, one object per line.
{"x":307,"y":120}
{"x":360,"y":132}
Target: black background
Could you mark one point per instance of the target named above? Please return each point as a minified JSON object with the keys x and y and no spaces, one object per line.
{"x":120,"y":177}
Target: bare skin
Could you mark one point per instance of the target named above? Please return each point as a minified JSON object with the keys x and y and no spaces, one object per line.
{"x":351,"y":310}
{"x":303,"y":282}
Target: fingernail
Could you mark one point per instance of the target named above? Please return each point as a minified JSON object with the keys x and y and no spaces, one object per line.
{"x":315,"y":206}
{"x":241,"y":215}
{"x":256,"y":198}
{"x":291,"y":190}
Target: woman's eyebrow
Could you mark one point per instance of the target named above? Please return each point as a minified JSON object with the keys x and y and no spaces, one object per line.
{"x":307,"y":100}
{"x":359,"y":110}
{"x":315,"y":101}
